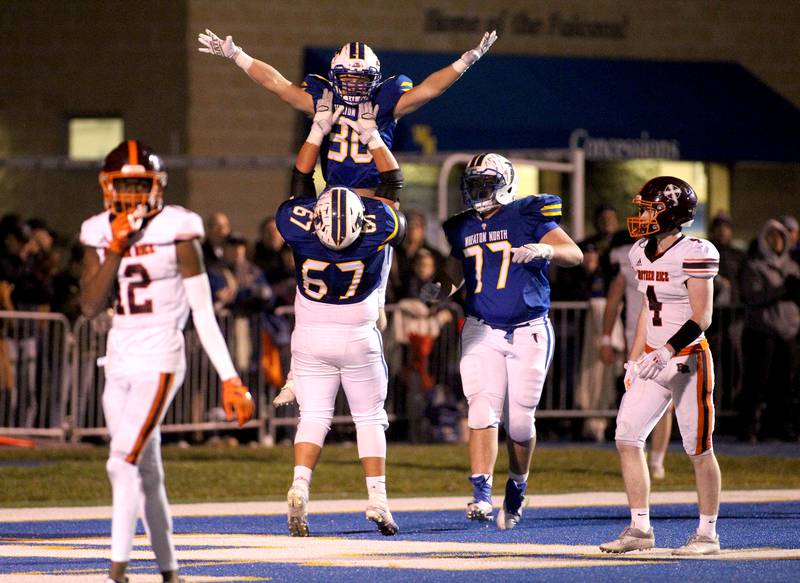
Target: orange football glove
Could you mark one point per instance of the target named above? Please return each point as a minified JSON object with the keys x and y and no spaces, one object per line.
{"x":236,"y":395}
{"x":123,"y":228}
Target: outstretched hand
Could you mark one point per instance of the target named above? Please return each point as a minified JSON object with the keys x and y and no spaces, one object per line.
{"x":214,"y":45}
{"x":471,"y":57}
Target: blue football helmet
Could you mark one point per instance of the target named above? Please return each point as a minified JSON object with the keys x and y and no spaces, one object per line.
{"x":355,"y":73}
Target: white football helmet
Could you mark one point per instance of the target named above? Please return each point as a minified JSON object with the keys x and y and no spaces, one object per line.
{"x":355,"y":73}
{"x":338,"y":217}
{"x":489,"y":181}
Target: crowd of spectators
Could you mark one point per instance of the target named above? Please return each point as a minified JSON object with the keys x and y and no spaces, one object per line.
{"x":757,"y":293}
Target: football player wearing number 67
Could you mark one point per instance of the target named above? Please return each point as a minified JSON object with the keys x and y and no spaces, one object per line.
{"x":669,"y":359}
{"x":339,"y":242}
{"x":504,"y":246}
{"x":149,"y":253}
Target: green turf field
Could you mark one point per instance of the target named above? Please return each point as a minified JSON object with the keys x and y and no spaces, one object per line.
{"x":76,"y":476}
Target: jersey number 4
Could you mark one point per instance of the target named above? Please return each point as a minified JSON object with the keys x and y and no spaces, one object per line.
{"x":126,"y":303}
{"x":654,"y":305}
{"x":476,"y":251}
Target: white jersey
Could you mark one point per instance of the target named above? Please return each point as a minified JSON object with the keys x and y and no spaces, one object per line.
{"x":151,"y":307}
{"x":663,"y":278}
{"x":633,"y":299}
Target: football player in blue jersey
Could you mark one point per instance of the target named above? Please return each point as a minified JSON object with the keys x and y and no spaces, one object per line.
{"x":504,"y":246}
{"x":339,"y":241}
{"x":354,"y":77}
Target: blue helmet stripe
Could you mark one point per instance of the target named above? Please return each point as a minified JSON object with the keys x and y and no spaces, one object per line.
{"x":353,"y":50}
{"x":338,"y":209}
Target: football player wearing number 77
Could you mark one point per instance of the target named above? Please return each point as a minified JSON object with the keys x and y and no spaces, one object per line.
{"x":504,"y":246}
{"x":149,"y":253}
{"x":669,"y":360}
{"x":339,"y":242}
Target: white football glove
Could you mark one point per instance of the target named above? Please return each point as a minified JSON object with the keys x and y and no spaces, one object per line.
{"x":213,"y":45}
{"x":366,"y":126}
{"x":325,"y":118}
{"x":430,"y":292}
{"x":631,"y":372}
{"x":652,"y":363}
{"x":471,"y":57}
{"x":531,"y":251}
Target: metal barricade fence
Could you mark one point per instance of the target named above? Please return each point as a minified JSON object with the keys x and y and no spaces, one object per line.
{"x":34,"y":382}
{"x":51,"y":385}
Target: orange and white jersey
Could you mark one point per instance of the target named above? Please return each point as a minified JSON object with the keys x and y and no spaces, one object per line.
{"x":662,"y":279}
{"x":151,"y":307}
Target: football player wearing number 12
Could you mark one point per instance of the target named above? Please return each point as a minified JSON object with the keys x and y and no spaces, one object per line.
{"x":504,"y":246}
{"x":669,"y":360}
{"x":151,"y":254}
{"x":339,"y":241}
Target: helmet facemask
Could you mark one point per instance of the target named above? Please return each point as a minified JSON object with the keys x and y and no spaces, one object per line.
{"x":479,"y":189}
{"x":355,"y":73}
{"x":133,"y":189}
{"x":640,"y":226}
{"x":489,"y":181}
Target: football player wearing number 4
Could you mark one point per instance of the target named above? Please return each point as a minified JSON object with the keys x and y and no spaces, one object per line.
{"x":151,"y":254}
{"x":339,"y":241}
{"x":669,"y":360}
{"x":504,"y":246}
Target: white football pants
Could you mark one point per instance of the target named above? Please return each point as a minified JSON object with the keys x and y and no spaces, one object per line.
{"x":503,"y":380}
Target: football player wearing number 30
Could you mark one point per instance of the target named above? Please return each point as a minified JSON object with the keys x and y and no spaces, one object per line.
{"x":504,"y":246}
{"x":149,"y":253}
{"x":354,"y":77}
{"x":669,"y":359}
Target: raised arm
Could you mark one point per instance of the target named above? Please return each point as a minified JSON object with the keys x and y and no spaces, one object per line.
{"x":439,"y":81}
{"x":262,"y":73}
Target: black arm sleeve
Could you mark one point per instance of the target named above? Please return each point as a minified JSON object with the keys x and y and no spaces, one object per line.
{"x":401,"y":229}
{"x":390,"y":185}
{"x":685,"y":335}
{"x":302,"y":185}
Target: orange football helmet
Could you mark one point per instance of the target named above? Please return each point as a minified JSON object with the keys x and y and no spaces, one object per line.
{"x":133,"y":178}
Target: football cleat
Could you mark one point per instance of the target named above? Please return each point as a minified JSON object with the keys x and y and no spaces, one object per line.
{"x":630,"y":539}
{"x":514,"y":501}
{"x":698,"y":545}
{"x":378,"y":512}
{"x":479,"y":510}
{"x":286,"y":395}
{"x":297,"y":497}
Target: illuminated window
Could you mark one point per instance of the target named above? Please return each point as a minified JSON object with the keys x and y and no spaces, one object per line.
{"x":91,"y":138}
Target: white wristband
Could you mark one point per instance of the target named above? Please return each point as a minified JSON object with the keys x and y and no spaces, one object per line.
{"x":460,"y":66}
{"x":314,"y":136}
{"x":605,"y":340}
{"x":243,"y":60}
{"x":375,"y":142}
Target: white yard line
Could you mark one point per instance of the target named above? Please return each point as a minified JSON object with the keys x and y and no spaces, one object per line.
{"x":397,"y":504}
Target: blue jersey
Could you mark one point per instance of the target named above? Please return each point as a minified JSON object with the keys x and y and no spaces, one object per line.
{"x":337,"y":277}
{"x":345,"y":160}
{"x":500,"y":292}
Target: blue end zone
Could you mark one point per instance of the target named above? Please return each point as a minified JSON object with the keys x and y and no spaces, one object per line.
{"x":775,"y":525}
